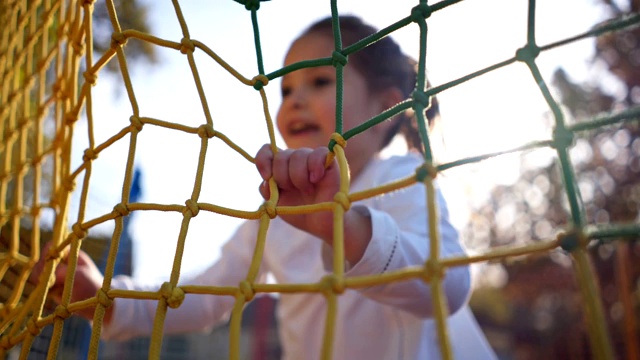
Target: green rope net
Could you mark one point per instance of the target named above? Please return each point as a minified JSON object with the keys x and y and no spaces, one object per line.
{"x":44,"y":47}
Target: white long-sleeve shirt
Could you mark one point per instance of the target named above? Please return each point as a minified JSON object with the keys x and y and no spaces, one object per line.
{"x":392,"y":321}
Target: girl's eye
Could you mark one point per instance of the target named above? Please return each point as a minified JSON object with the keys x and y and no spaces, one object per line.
{"x":321,"y":81}
{"x":285,"y":91}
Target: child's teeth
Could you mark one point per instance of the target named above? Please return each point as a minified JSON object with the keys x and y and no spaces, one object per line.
{"x":299,"y":127}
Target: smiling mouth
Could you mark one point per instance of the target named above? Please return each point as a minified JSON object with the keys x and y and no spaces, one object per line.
{"x":302,"y":128}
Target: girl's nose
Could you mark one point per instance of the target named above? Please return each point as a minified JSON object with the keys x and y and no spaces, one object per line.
{"x":297,"y":98}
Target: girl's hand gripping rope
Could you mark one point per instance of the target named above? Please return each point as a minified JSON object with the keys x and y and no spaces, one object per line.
{"x":303,"y":179}
{"x":87,"y":280}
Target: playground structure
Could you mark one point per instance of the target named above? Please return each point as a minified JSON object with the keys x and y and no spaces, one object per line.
{"x":48,"y":69}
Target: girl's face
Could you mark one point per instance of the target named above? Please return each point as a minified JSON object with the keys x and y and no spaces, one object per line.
{"x":307,"y":115}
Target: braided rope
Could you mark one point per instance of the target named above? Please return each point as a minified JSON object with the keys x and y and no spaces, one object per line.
{"x":28,"y":50}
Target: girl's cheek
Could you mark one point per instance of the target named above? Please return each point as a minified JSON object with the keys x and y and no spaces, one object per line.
{"x":279,"y":121}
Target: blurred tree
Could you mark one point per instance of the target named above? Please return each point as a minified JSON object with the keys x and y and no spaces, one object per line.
{"x":607,"y":167}
{"x":132,"y":14}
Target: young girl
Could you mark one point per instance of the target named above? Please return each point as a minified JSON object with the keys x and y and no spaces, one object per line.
{"x":381,"y":234}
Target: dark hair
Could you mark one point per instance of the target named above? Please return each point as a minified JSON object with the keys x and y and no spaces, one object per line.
{"x":384,"y":65}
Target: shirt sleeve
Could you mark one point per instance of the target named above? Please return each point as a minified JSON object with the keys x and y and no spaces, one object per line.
{"x":400,"y":239}
{"x":198,"y":312}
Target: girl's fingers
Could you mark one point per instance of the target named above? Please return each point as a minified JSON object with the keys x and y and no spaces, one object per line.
{"x":264,"y":189}
{"x":61,"y":274}
{"x":280,"y":169}
{"x":299,"y":170}
{"x":38,"y":268}
{"x":264,"y":161}
{"x":56,"y":293}
{"x":83,"y":259}
{"x":316,"y":163}
{"x":36,"y":271}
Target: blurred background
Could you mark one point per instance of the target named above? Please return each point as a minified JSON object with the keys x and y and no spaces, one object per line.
{"x":529,"y":307}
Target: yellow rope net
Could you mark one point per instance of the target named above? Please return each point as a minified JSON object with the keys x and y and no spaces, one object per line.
{"x":44,"y":47}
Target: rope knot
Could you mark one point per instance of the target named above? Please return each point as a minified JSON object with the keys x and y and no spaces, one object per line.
{"x":173,"y":294}
{"x":89,"y":155}
{"x":61,"y":31}
{"x":54,"y":204}
{"x":571,"y":240}
{"x":62,"y":312}
{"x":342,"y":199}
{"x":103,"y":298}
{"x":35,"y":211}
{"x":339,"y":139}
{"x":187,"y":46}
{"x":420,"y":12}
{"x":246,"y":289}
{"x":192,"y":207}
{"x":53,"y":253}
{"x":336,"y":138}
{"x":59,"y":89}
{"x":421,"y":98}
{"x":69,"y":184}
{"x":21,"y":171}
{"x":206,"y":131}
{"x":136,"y":123}
{"x":270,"y":208}
{"x":338,"y":58}
{"x":37,"y":159}
{"x":259,"y":81}
{"x":562,"y":138}
{"x":332,"y":283}
{"x":78,"y":231}
{"x":118,"y":39}
{"x":250,"y":4}
{"x":78,"y":47}
{"x":33,"y":328}
{"x":528,"y":53}
{"x":426,"y":170}
{"x":121,"y":209}
{"x":433,"y":270}
{"x":70,"y":118}
{"x":90,"y":77}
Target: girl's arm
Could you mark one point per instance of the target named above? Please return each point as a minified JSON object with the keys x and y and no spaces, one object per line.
{"x":400,"y":239}
{"x":131,"y":317}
